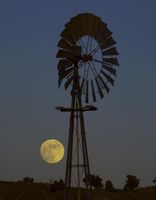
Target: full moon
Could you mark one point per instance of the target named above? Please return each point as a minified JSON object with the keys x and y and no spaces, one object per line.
{"x":52,"y":151}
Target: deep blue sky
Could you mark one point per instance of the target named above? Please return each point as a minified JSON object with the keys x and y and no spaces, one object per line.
{"x":121,"y":134}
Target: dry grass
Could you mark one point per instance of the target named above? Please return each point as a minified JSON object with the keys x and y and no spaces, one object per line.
{"x":41,"y":191}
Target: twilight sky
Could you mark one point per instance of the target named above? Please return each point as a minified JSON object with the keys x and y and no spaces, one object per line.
{"x":121,"y":135}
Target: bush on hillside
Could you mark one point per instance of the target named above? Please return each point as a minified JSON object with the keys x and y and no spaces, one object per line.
{"x":109,"y":186}
{"x":131,"y":183}
{"x":56,"y":185}
{"x":28,"y":180}
{"x":93,"y":180}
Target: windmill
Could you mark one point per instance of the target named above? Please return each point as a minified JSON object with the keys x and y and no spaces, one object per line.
{"x":87,"y":56}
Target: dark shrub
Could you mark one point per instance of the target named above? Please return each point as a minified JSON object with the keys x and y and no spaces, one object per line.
{"x":28,"y":180}
{"x":109,"y":186}
{"x":131,"y":182}
{"x":93,"y":180}
{"x":154,"y":180}
{"x":56,"y":185}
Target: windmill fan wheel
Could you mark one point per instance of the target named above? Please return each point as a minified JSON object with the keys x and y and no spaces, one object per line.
{"x":87,"y":43}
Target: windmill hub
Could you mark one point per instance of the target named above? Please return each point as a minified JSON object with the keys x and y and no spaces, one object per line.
{"x":87,"y":57}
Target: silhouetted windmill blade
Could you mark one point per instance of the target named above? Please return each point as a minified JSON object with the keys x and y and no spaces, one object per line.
{"x":110,"y":69}
{"x":80,"y":26}
{"x":107,"y":66}
{"x":103,"y":34}
{"x":89,"y":21}
{"x":93,"y":91}
{"x":75,"y":32}
{"x":82,"y":23}
{"x":82,"y":86}
{"x":108,"y":77}
{"x":64,"y":63}
{"x":94,"y":27}
{"x":65,"y":45}
{"x":68,"y":82}
{"x":65,"y":54}
{"x":68,"y":37}
{"x":91,"y":27}
{"x":86,"y":99}
{"x":63,"y":73}
{"x":111,"y":61}
{"x":107,"y":43}
{"x":99,"y":88}
{"x":75,"y":28}
{"x":112,"y":51}
{"x":103,"y":84}
{"x":101,"y":27}
{"x":84,"y":19}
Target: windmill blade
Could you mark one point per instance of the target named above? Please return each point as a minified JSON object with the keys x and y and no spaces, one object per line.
{"x":88,"y":20}
{"x":68,"y":82}
{"x":62,"y":76}
{"x":93,"y":28}
{"x":68,"y":37}
{"x":64,"y":63}
{"x":104,"y":35}
{"x":64,"y":73}
{"x":108,"y":43}
{"x":93,"y":91}
{"x":75,"y":31}
{"x":65,"y":54}
{"x":97,"y":23}
{"x":101,"y":28}
{"x":82,"y":86}
{"x":72,"y":55}
{"x":59,"y":82}
{"x":99,"y":88}
{"x":104,"y":84}
{"x":110,"y":69}
{"x":108,"y":77}
{"x":93,"y":22}
{"x":111,"y":61}
{"x":112,"y":51}
{"x":85,"y":20}
{"x":86,"y":99}
{"x":83,"y":23}
{"x":65,"y":45}
{"x":77,"y":50}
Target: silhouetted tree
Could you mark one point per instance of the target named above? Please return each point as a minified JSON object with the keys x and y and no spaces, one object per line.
{"x":56,"y":185}
{"x":154,"y":180}
{"x":61,"y":184}
{"x":131,"y":183}
{"x":28,"y":180}
{"x":88,"y":179}
{"x":93,"y":180}
{"x":109,"y":186}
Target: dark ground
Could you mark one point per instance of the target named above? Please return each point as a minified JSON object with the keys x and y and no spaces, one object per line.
{"x":41,"y":191}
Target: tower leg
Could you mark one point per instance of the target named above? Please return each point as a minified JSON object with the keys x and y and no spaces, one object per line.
{"x":77,"y":142}
{"x":69,"y":153}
